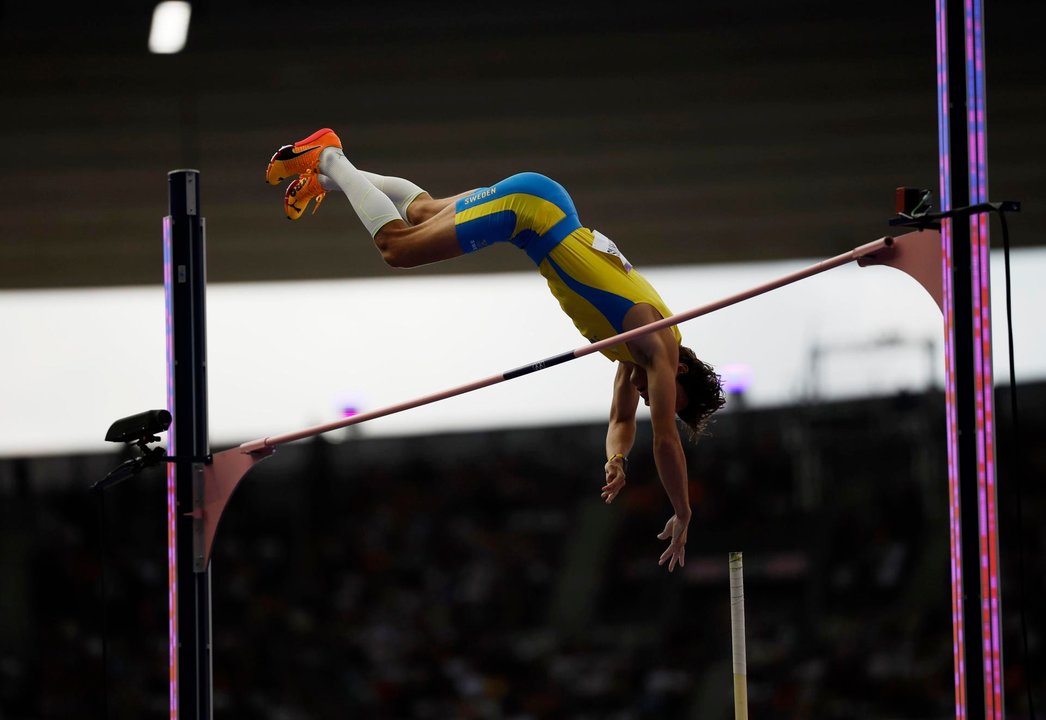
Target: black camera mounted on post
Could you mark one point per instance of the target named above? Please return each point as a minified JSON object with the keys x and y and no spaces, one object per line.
{"x":138,"y":430}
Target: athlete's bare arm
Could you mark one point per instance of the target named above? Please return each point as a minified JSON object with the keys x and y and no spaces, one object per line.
{"x":657,"y":356}
{"x":668,"y":450}
{"x":621,"y":430}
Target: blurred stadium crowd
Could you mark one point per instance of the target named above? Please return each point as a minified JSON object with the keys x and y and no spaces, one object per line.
{"x":479,"y":576}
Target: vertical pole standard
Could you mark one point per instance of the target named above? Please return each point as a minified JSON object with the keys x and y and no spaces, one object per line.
{"x":977,"y":643}
{"x":737,"y":635}
{"x":185,"y":281}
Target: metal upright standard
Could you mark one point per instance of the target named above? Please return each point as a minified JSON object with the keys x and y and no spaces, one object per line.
{"x":190,"y":584}
{"x":976,"y":591}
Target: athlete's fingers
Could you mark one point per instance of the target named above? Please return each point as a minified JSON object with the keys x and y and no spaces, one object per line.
{"x":668,"y":556}
{"x":667,"y":532}
{"x":612,"y":488}
{"x":673,"y":555}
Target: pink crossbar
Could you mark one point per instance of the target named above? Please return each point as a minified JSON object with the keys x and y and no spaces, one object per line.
{"x":263,"y":444}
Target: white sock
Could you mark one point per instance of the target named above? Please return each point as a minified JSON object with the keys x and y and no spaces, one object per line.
{"x":372,"y":206}
{"x":401,"y":192}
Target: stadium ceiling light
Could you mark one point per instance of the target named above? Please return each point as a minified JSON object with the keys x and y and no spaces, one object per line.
{"x":170,"y":27}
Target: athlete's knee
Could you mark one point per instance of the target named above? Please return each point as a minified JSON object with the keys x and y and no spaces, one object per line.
{"x":391,"y":252}
{"x":389,"y":241}
{"x":422,"y":208}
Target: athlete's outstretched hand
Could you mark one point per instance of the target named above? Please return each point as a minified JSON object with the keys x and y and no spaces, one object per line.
{"x":615,"y":471}
{"x":675,"y":530}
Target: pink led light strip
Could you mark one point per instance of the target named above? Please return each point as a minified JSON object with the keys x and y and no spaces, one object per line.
{"x":977,"y":172}
{"x":951,"y":409}
{"x":172,"y":503}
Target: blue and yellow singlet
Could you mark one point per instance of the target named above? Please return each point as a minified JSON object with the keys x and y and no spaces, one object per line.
{"x":592,"y":281}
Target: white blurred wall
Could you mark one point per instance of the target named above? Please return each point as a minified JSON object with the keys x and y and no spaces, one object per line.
{"x":285,"y":355}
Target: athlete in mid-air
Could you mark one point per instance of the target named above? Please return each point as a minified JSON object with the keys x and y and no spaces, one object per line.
{"x":586,"y":272}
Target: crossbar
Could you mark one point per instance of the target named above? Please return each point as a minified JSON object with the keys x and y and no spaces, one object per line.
{"x":265,"y":444}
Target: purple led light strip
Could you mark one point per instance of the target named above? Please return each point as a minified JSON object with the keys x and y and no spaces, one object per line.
{"x":172,"y":555}
{"x":951,"y":409}
{"x":985,"y":429}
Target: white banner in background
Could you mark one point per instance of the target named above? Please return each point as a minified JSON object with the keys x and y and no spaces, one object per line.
{"x":285,"y":355}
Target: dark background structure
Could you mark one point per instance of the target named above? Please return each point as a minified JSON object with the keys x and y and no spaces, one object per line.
{"x":477,"y":576}
{"x":690,"y":133}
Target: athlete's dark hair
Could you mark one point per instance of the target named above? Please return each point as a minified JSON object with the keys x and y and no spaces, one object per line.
{"x":703,"y":391}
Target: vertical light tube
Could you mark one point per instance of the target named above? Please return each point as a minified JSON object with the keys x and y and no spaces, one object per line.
{"x":172,"y":502}
{"x":951,"y":405}
{"x":977,"y":172}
